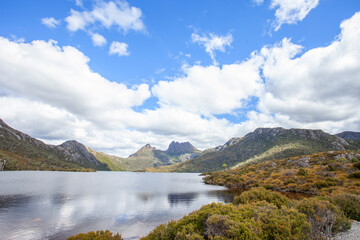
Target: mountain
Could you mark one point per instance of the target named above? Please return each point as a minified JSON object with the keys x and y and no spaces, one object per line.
{"x":148,"y":157}
{"x":176,"y":148}
{"x":349,"y":135}
{"x":220,"y":148}
{"x":23,"y":152}
{"x":263,"y":144}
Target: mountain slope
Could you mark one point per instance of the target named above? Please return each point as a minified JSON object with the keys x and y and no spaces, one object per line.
{"x":148,"y":157}
{"x":23,"y":152}
{"x":264,"y":144}
{"x":349,"y":135}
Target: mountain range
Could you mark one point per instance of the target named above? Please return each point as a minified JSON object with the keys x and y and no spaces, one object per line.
{"x":22,"y":152}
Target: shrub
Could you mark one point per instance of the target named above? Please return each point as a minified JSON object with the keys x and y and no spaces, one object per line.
{"x":256,"y":221}
{"x":354,"y":160}
{"x":302,"y":172}
{"x":324,"y":217}
{"x":349,"y":204}
{"x":355,"y":175}
{"x":98,"y":235}
{"x":262,"y":194}
{"x":357,"y":165}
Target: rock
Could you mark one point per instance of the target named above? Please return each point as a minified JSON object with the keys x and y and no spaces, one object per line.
{"x":176,"y":148}
{"x":303,"y":162}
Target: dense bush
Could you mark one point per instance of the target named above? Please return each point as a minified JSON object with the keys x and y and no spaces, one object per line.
{"x":262,"y":194}
{"x":259,"y":220}
{"x":357,"y":165}
{"x":98,"y":235}
{"x":324,"y":217}
{"x":355,"y":174}
{"x":349,"y":204}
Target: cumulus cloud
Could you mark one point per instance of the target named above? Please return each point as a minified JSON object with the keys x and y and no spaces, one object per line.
{"x":213,"y":43}
{"x":50,"y":22}
{"x":318,"y":88}
{"x":60,"y":76}
{"x":119,"y":48}
{"x":107,"y":14}
{"x":98,"y":40}
{"x":212,"y":90}
{"x":291,"y":12}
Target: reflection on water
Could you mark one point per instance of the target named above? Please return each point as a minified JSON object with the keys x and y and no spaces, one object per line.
{"x":55,"y":205}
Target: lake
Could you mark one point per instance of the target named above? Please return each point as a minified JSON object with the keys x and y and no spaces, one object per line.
{"x":56,"y":205}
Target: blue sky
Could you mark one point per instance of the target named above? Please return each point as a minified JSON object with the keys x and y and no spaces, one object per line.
{"x":116,"y":75}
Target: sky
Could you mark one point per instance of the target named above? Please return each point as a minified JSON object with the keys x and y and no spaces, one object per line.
{"x":116,"y":75}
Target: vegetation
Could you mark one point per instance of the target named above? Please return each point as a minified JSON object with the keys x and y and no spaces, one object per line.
{"x":17,"y":162}
{"x":318,"y":174}
{"x":262,"y":145}
{"x":257,"y":214}
{"x":349,"y":204}
{"x":98,"y":235}
{"x":261,"y":194}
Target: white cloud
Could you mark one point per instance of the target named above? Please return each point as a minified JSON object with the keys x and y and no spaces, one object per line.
{"x":79,"y":3}
{"x":98,"y":40}
{"x":60,"y":76}
{"x":258,"y":2}
{"x":50,"y":22}
{"x":212,"y":90}
{"x":319,"y":88}
{"x":291,"y":12}
{"x":213,"y":43}
{"x":119,"y":14}
{"x":119,"y":48}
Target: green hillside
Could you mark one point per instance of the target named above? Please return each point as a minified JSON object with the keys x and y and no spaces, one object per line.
{"x":261,"y":145}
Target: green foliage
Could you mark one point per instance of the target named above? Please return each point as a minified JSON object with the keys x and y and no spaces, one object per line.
{"x":262,"y":194}
{"x":290,"y":175}
{"x":349,"y":204}
{"x":224,"y":165}
{"x":302,"y":172}
{"x":324,"y":217}
{"x":355,"y":175}
{"x":256,"y":221}
{"x":354,"y":160}
{"x":98,"y":235}
{"x":357,"y":165}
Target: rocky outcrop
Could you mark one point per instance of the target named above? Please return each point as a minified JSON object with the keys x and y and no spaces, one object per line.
{"x":80,"y":153}
{"x":176,"y":148}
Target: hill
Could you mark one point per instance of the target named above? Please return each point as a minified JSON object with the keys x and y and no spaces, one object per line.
{"x":349,"y":135}
{"x":316,"y":174}
{"x":23,"y":152}
{"x":260,"y":145}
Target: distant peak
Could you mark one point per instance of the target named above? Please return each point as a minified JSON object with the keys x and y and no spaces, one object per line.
{"x":176,"y":148}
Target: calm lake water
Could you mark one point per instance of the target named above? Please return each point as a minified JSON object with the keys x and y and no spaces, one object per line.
{"x":55,"y":205}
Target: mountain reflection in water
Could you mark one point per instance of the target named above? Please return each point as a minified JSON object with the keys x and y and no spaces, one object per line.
{"x":55,"y":205}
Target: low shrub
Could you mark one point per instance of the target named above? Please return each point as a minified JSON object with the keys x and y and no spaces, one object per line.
{"x":355,"y":175}
{"x":262,"y":194}
{"x":98,"y":235}
{"x":256,"y":221}
{"x":302,"y":172}
{"x":324,"y":217}
{"x":357,"y":165}
{"x":349,"y":204}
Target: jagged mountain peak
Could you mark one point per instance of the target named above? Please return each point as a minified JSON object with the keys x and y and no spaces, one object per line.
{"x":176,"y":148}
